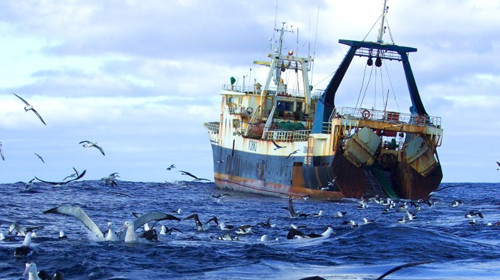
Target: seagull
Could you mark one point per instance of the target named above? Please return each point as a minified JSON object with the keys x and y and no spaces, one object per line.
{"x":227,"y":237}
{"x":456,"y":203}
{"x":340,"y":214}
{"x":473,"y":213}
{"x":295,"y":233}
{"x":1,"y":153}
{"x":28,"y":107}
{"x":198,"y":223}
{"x":111,"y":234}
{"x":294,"y":214}
{"x":171,"y":166}
{"x":292,"y":153}
{"x":25,"y":249}
{"x":266,"y":224}
{"x":131,"y":236}
{"x":88,"y":144}
{"x":40,"y":157}
{"x":244,"y":229}
{"x":62,"y":235}
{"x":191,"y":175}
{"x":34,"y":274}
{"x":20,"y":231}
{"x":111,"y":179}
{"x":225,"y":227}
{"x":165,"y":230}
{"x":64,"y":182}
{"x":29,"y":183}
{"x":277,"y":146}
{"x":72,"y":175}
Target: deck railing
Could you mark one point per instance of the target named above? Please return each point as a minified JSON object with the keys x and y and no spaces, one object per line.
{"x":385,"y":116}
{"x":212,"y":127}
{"x":284,"y":135}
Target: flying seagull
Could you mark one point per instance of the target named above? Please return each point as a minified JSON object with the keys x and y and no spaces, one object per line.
{"x":72,"y":175}
{"x":40,"y":157}
{"x":64,"y":182}
{"x":28,"y":107}
{"x":88,"y":144}
{"x":1,"y":153}
{"x":191,"y":175}
{"x":277,"y":146}
{"x":292,"y":153}
{"x":171,"y":166}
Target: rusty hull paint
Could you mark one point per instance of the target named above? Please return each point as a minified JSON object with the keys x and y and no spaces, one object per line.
{"x":350,"y":179}
{"x":234,"y":183}
{"x":415,"y":186}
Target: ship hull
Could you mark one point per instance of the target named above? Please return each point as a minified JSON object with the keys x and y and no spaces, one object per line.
{"x":284,"y":176}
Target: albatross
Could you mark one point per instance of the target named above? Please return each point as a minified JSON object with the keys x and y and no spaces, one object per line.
{"x":88,"y":144}
{"x":28,"y":107}
{"x":25,"y":249}
{"x":63,"y":182}
{"x":111,"y":179}
{"x":131,"y":235}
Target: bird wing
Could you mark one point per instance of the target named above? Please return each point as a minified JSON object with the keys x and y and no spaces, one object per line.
{"x":401,"y":267}
{"x":25,"y":102}
{"x":40,"y":157}
{"x":65,"y":182}
{"x":78,"y":213}
{"x":85,"y":141}
{"x":52,"y":183}
{"x":77,"y":177}
{"x":18,"y":228}
{"x":277,"y":146}
{"x":1,"y":153}
{"x":498,"y":163}
{"x":152,"y":216}
{"x":100,"y":149}
{"x":290,"y":207}
{"x":40,"y":117}
{"x":189,"y":174}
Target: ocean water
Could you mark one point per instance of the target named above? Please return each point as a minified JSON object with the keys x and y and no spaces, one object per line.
{"x":440,"y":233}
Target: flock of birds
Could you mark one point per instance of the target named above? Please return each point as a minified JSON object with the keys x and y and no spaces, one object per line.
{"x":129,"y":232}
{"x":108,"y":180}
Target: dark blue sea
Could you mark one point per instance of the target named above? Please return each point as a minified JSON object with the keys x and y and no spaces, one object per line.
{"x":440,"y":233}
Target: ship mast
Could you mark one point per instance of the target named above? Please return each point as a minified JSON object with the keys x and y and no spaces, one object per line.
{"x":382,"y":29}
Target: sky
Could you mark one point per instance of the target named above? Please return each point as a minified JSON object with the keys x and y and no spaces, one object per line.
{"x":141,"y":77}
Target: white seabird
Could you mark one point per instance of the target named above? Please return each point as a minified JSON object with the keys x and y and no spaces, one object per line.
{"x":131,"y":235}
{"x":28,"y":107}
{"x":25,"y":249}
{"x":32,"y":271}
{"x":110,"y":179}
{"x":198,"y":223}
{"x":88,"y":144}
{"x":111,"y":234}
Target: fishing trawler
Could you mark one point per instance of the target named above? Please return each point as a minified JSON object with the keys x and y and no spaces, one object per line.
{"x":275,"y":140}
